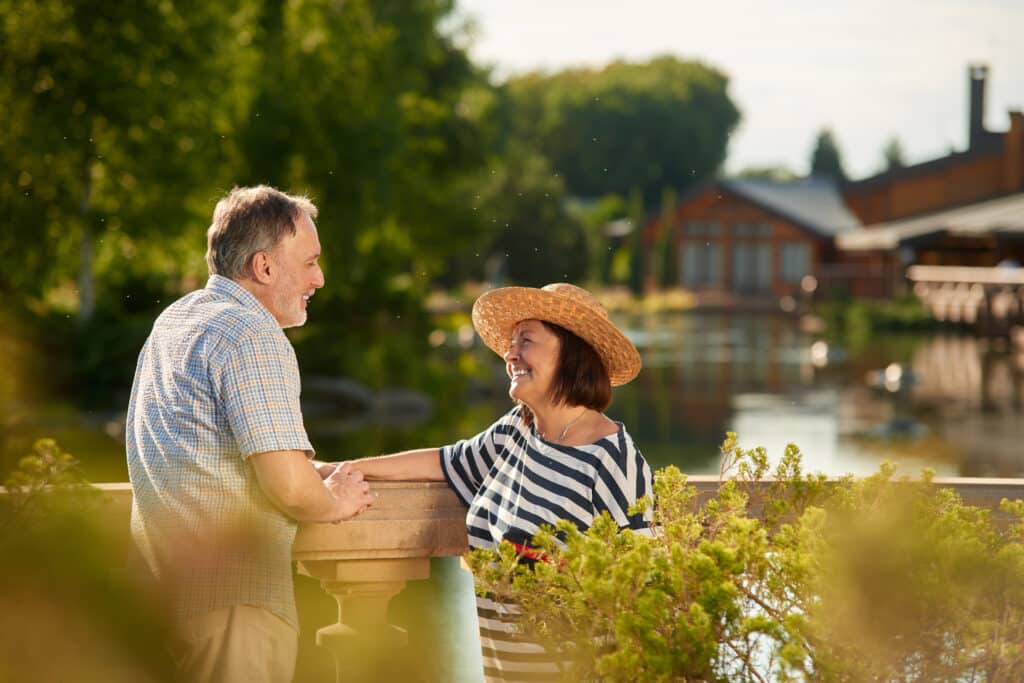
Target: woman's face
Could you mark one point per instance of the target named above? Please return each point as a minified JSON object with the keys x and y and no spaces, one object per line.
{"x":531,"y":363}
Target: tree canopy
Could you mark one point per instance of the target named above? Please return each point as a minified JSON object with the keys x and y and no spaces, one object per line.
{"x":126,"y":124}
{"x":892,"y":154}
{"x":664,"y":123}
{"x":826,"y":160}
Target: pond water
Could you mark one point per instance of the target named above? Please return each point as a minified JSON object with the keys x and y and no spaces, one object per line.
{"x":945,"y":401}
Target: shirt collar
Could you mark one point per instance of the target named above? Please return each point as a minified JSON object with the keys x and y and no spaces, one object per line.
{"x":228,"y":287}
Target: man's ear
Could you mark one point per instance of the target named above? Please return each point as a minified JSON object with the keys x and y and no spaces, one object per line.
{"x":262,"y":267}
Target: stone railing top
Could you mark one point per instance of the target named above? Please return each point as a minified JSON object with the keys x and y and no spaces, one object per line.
{"x":966,"y":274}
{"x":410,"y":519}
{"x":426,"y":519}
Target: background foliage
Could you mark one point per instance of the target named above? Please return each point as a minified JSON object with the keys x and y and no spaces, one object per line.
{"x":126,"y":124}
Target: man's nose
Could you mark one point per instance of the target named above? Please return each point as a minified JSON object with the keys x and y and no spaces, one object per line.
{"x":318,"y":278}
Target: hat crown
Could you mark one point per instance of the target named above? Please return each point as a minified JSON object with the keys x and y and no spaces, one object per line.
{"x":497,"y":312}
{"x":578,"y":295}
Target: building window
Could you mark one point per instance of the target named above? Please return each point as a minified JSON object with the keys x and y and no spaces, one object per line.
{"x":753,"y":230}
{"x":701,"y":266}
{"x":699,"y":229}
{"x":796,"y":261}
{"x":752,"y":268}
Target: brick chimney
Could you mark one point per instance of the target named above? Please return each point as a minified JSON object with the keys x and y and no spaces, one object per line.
{"x":977,"y":73}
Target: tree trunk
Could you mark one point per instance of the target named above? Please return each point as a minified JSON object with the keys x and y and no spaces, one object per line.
{"x":86,"y":284}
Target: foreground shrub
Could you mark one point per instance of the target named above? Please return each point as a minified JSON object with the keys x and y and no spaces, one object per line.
{"x":75,"y":605}
{"x":795,"y":579}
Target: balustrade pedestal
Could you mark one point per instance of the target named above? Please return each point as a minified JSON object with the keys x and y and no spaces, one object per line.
{"x":366,"y":561}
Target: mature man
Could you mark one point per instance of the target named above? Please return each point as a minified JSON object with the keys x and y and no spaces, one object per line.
{"x":218,"y":456}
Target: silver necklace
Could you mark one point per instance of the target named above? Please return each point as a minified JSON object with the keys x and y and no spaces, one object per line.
{"x":565,"y":430}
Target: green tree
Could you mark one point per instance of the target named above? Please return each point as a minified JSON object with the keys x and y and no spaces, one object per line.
{"x":125,"y":126}
{"x":664,"y":123}
{"x":527,"y":237}
{"x":668,"y":271}
{"x":597,"y":217}
{"x":639,"y":254}
{"x":375,"y":111}
{"x":826,"y":160}
{"x":779,"y":174}
{"x":114,"y":116}
{"x":892,"y":154}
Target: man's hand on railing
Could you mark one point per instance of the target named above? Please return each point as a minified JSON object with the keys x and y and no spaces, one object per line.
{"x":350,"y":490}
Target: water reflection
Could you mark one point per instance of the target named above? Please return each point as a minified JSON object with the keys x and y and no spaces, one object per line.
{"x":949,"y":402}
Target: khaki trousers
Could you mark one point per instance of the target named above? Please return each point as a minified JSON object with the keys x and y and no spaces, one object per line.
{"x":236,"y":644}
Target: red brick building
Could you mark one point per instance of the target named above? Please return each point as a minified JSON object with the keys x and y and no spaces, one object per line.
{"x":964,"y":209}
{"x":991,"y":166}
{"x":759,"y":238}
{"x":754,"y":238}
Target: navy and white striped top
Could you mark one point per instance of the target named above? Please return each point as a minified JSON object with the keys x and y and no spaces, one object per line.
{"x":513,"y":481}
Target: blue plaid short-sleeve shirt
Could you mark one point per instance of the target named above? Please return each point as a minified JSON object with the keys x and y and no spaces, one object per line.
{"x":216,"y":382}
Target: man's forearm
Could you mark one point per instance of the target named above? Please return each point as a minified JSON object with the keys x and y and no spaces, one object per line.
{"x":295,"y":487}
{"x":315,"y":504}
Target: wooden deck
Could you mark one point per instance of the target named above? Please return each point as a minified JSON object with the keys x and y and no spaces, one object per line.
{"x":989,"y":299}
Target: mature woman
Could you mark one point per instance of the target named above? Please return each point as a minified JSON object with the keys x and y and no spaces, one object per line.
{"x":554,"y":456}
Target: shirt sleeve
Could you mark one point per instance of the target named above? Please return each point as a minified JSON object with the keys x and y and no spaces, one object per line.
{"x":258,"y":387}
{"x":623,"y":477}
{"x":466,"y":463}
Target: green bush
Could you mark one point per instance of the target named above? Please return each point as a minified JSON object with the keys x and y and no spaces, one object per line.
{"x":856,"y":320}
{"x":796,"y":579}
{"x":76,"y":607}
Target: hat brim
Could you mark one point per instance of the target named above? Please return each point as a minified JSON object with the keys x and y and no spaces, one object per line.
{"x":497,"y":312}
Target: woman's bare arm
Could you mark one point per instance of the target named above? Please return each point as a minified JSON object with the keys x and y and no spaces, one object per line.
{"x":422,"y":464}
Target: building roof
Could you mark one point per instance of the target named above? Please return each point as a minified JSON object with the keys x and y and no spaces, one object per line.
{"x":1004,"y":215}
{"x":812,"y":203}
{"x":989,"y":144}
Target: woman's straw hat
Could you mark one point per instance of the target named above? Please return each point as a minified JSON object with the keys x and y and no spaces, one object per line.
{"x":496,"y":313}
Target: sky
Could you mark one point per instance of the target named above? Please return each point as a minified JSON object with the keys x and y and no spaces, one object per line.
{"x":870,"y":70}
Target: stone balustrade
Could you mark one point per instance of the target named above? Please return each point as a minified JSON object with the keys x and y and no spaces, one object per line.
{"x":364,"y":562}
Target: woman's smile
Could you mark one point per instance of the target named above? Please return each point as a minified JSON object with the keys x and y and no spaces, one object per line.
{"x":531,"y":362}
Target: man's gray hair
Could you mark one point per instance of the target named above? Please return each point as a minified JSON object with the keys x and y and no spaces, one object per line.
{"x":248,"y":220}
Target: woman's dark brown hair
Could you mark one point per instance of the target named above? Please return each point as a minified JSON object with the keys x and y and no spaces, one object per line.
{"x":581,"y":378}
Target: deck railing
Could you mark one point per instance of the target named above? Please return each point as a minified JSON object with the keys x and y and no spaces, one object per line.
{"x":991,"y":299}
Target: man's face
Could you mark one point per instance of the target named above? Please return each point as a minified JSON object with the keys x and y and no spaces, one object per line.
{"x":297,"y":274}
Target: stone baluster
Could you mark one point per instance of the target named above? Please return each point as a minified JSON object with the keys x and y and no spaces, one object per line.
{"x":366,"y":561}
